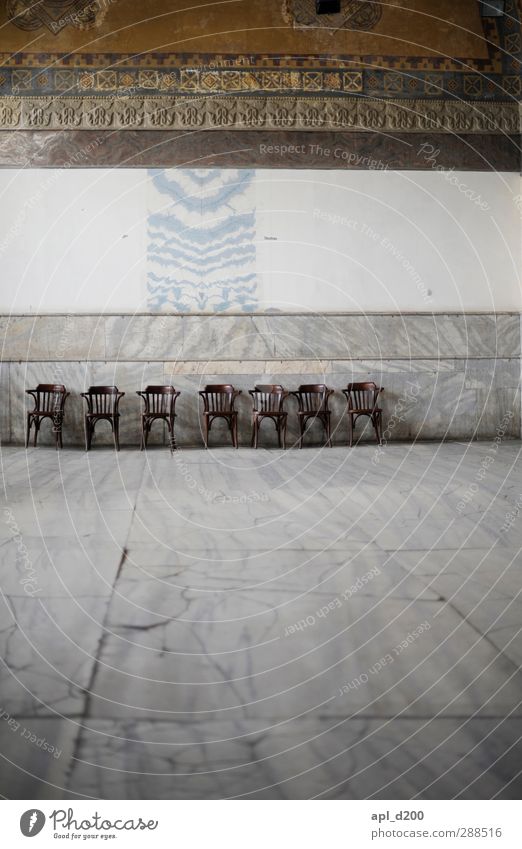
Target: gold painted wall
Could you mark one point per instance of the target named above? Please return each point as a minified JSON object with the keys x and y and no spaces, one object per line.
{"x":405,"y":28}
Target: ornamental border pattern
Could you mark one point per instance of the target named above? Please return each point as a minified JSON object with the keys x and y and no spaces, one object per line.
{"x":239,"y":113}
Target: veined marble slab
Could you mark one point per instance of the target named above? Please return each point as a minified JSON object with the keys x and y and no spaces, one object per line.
{"x":355,"y":759}
{"x":484,"y":586}
{"x":215,"y":624}
{"x":250,"y":663}
{"x":280,"y":336}
{"x":48,"y":647}
{"x":36,"y":754}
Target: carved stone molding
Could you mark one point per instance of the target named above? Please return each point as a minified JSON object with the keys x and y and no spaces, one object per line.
{"x":239,"y":113}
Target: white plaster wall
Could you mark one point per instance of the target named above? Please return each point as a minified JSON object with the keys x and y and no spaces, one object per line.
{"x":75,"y":241}
{"x":72,"y":241}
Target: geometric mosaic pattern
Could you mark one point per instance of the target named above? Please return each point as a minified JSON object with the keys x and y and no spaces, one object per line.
{"x":164,"y":90}
{"x":495,"y":77}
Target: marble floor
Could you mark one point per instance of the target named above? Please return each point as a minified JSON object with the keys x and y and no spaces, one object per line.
{"x":324,"y":623}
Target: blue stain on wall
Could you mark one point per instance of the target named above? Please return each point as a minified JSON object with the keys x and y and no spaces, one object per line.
{"x":201,"y":254}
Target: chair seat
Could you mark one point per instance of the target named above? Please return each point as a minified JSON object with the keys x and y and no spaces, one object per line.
{"x":368,"y":410}
{"x":158,"y":415}
{"x":102,"y":415}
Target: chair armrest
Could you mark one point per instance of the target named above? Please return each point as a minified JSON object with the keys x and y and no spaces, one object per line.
{"x":32,"y":393}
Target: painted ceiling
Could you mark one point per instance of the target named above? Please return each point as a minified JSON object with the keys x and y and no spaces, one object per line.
{"x":249,"y":53}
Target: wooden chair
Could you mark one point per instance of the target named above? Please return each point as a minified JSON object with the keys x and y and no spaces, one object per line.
{"x":362,"y":400}
{"x":49,"y":403}
{"x":160,"y":403}
{"x":312,"y":399}
{"x":218,"y":402}
{"x":268,"y":401}
{"x":102,"y":405}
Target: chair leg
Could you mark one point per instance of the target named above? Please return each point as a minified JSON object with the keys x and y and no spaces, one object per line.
{"x":350,"y":429}
{"x":57,"y":428}
{"x":117,"y":433}
{"x":280,"y":426}
{"x":376,"y":420}
{"x":205,"y":430}
{"x":301,"y":431}
{"x":172,"y":440}
{"x":328,"y":433}
{"x":234,"y":432}
{"x":88,"y":435}
{"x":28,"y":432}
{"x":252,"y":441}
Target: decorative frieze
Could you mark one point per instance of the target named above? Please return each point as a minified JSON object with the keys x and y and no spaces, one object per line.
{"x":240,"y":113}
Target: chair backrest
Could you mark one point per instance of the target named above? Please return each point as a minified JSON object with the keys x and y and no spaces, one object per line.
{"x":103,"y":400}
{"x":313,"y":397}
{"x":219,"y":397}
{"x":159,"y":400}
{"x":49,"y":397}
{"x":268,"y":397}
{"x":362,"y":396}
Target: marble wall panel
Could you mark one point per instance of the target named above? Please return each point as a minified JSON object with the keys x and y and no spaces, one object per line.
{"x":227,"y":337}
{"x":53,"y":337}
{"x":143,"y":337}
{"x":5,"y":426}
{"x":445,"y":376}
{"x":259,"y":337}
{"x":409,"y":336}
{"x":453,"y":399}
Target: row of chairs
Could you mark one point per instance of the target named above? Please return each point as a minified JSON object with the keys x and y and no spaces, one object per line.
{"x":218,"y":403}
